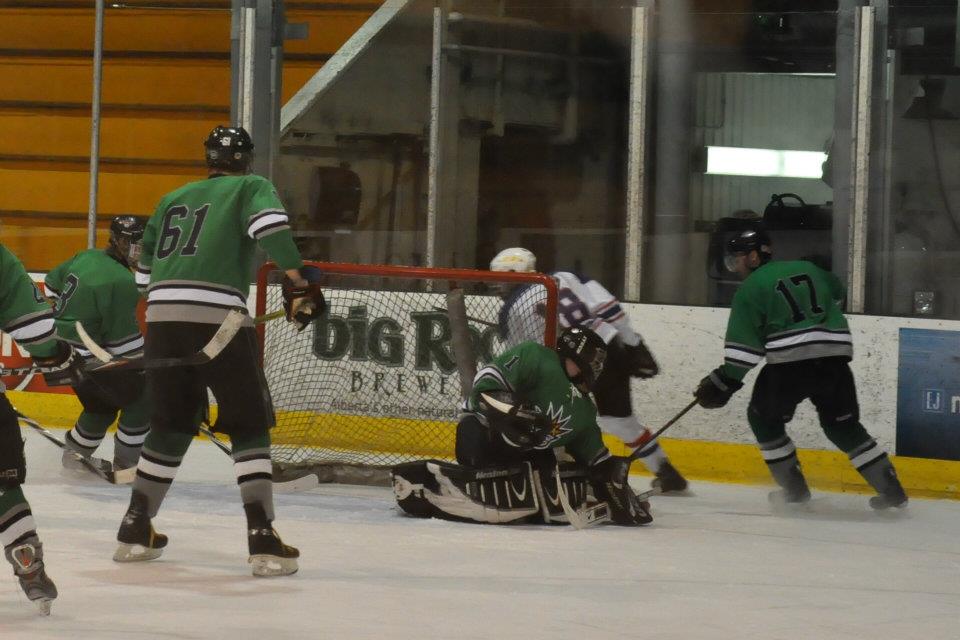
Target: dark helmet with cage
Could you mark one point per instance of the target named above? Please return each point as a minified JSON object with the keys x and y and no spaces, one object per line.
{"x":229,"y":149}
{"x":745,"y":242}
{"x":126,"y":236}
{"x":587,"y":350}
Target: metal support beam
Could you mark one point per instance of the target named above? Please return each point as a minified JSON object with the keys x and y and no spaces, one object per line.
{"x":95,"y":125}
{"x":436,"y":126}
{"x":256,"y":54}
{"x":843,"y":147}
{"x":636,"y":150}
{"x":857,"y":257}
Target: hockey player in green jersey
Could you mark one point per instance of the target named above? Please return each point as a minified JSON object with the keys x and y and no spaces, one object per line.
{"x":196,"y":265}
{"x":28,"y":319}
{"x":584,"y":302}
{"x":790,"y":313}
{"x":96,"y":288}
{"x":528,"y":402}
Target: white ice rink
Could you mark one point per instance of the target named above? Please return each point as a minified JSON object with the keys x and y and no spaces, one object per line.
{"x":715,"y":565}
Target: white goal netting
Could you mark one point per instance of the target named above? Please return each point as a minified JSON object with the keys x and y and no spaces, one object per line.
{"x":376,"y":381}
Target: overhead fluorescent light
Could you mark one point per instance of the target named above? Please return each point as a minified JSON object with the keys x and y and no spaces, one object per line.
{"x":739,"y":161}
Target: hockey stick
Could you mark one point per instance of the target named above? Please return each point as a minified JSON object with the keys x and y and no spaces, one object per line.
{"x":105,"y":356}
{"x":98,"y":466}
{"x":228,"y":329}
{"x":267,"y":317}
{"x":304,"y":483}
{"x":471,"y":318}
{"x":648,"y":437}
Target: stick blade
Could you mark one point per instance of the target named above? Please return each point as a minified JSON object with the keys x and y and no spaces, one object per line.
{"x":98,"y":352}
{"x":304,"y":483}
{"x":228,"y":329}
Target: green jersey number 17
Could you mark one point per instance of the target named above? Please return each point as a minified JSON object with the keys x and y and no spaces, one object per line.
{"x":791,"y":298}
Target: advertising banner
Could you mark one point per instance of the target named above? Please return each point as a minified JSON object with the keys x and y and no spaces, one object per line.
{"x":928,"y":394}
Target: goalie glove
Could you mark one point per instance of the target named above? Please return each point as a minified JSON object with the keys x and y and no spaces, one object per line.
{"x":610,"y":485}
{"x":640,"y":362}
{"x":716,"y":389}
{"x":62,"y":368}
{"x":303,"y":303}
{"x":520,"y":426}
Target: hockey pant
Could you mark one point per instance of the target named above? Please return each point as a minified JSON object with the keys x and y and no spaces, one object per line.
{"x":511,"y":494}
{"x":829,"y":384}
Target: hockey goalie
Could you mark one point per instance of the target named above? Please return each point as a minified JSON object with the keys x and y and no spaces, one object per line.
{"x":526,"y":406}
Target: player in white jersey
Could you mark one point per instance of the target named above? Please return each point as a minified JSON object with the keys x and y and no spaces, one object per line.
{"x":584,"y":302}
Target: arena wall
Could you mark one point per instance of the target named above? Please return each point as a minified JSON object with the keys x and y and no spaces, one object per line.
{"x":718,"y":445}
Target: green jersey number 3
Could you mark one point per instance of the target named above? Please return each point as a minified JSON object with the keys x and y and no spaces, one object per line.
{"x":172,"y":231}
{"x":798,"y":280}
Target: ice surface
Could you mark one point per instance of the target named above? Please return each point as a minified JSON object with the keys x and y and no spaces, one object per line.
{"x":719,"y":564}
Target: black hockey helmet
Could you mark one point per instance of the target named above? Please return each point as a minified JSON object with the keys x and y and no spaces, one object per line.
{"x":126,"y":232}
{"x":229,"y":149}
{"x":587,"y":350}
{"x":127,"y":227}
{"x":746,"y":241}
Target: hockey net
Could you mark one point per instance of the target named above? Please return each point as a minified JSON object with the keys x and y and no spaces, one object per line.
{"x":380,"y":378}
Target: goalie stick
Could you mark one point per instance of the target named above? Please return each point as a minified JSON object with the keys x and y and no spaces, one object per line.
{"x":589,"y":516}
{"x":97,"y":466}
{"x":303,"y":483}
{"x":228,"y":329}
{"x":598,"y":513}
{"x":585,"y":516}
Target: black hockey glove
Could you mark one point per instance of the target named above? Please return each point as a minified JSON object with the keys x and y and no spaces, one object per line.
{"x":640,"y":362}
{"x":521,"y":426}
{"x":303,"y":304}
{"x":62,"y":368}
{"x":610,"y":485}
{"x":715,"y":390}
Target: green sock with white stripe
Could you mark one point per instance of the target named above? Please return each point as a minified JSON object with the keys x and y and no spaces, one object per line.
{"x":159,"y":462}
{"x":251,"y":463}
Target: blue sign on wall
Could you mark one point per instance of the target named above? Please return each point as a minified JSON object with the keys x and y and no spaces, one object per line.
{"x":928,"y":394}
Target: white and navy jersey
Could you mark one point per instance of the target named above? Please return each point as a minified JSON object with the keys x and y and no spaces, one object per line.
{"x":582,"y":302}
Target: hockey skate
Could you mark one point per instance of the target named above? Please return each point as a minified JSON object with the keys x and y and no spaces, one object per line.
{"x":27,"y":561}
{"x":669,"y":480}
{"x":789,"y":496}
{"x":794,"y":492}
{"x":892,"y":495}
{"x":138,"y":541}
{"x":268,"y":554}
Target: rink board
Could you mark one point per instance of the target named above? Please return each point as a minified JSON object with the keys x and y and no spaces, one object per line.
{"x":699,"y":460}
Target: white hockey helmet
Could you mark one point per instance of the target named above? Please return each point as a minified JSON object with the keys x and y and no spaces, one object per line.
{"x":514,"y":259}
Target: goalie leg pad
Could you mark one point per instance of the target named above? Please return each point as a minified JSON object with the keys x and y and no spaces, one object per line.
{"x":432,"y":488}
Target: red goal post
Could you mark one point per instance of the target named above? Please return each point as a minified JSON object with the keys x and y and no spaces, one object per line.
{"x":377,"y":380}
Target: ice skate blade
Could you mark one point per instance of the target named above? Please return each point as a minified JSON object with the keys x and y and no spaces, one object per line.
{"x":135,"y":553}
{"x":674,"y":493}
{"x":266,"y":565}
{"x":125,"y":475}
{"x":881,"y":504}
{"x":44,"y":605}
